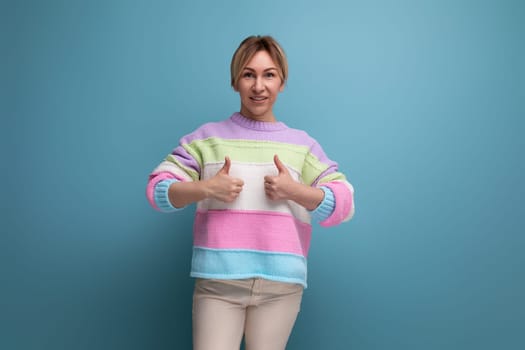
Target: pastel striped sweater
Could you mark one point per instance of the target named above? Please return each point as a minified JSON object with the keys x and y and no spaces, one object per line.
{"x":253,"y":236}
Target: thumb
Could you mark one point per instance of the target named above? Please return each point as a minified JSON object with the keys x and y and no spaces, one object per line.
{"x":280,"y":166}
{"x":226,"y":167}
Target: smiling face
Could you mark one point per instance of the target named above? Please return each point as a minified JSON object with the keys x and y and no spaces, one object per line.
{"x":258,"y":87}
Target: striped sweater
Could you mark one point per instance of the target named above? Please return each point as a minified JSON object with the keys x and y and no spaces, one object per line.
{"x":253,"y":236}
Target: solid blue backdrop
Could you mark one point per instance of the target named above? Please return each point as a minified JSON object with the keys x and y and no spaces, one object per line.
{"x":420,"y":102}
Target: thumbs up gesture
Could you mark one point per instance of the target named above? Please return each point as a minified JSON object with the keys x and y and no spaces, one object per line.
{"x":281,"y":186}
{"x":226,"y":167}
{"x":224,"y":187}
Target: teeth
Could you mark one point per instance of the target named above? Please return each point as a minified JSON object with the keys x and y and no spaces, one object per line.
{"x":258,"y":98}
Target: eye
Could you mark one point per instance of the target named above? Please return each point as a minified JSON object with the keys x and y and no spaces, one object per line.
{"x":247,"y":74}
{"x":270,"y":74}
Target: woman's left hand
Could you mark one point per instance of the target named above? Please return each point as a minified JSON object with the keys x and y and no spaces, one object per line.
{"x":282,"y":186}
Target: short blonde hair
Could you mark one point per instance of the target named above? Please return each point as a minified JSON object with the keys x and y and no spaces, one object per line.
{"x":249,"y":47}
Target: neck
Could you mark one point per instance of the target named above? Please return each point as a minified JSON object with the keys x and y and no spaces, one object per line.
{"x":267,"y":118}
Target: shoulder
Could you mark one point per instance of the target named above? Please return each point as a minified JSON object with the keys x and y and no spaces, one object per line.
{"x":208,"y":130}
{"x":302,"y":137}
{"x":315,"y":149}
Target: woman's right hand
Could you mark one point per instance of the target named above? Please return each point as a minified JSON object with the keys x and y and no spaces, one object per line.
{"x":222,"y":186}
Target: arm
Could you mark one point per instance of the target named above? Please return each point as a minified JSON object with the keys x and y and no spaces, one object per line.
{"x":222,"y":187}
{"x":170,"y":194}
{"x":330,"y":197}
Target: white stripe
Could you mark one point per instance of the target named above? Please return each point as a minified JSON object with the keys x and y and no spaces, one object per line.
{"x":253,"y":196}
{"x":170,"y":167}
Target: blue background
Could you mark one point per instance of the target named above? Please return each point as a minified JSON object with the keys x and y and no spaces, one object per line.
{"x":420,"y":102}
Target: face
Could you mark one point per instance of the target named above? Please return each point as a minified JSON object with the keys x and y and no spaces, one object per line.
{"x":258,"y":87}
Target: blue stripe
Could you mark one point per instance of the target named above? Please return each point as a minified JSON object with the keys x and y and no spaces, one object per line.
{"x":239,"y":264}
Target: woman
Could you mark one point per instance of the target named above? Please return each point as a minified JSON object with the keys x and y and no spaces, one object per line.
{"x":257,"y":184}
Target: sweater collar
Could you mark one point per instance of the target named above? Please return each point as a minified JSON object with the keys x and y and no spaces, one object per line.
{"x":241,"y":120}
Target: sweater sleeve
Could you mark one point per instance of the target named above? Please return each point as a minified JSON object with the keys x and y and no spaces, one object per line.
{"x":180,"y":165}
{"x":161,"y":197}
{"x":344,"y":202}
{"x":324,"y":174}
{"x":325,"y":209}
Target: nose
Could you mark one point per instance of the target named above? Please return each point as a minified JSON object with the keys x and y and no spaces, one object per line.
{"x":258,"y":85}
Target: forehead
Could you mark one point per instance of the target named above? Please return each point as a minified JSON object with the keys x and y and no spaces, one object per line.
{"x":261,"y":60}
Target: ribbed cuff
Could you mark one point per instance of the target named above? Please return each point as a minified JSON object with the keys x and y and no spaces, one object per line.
{"x":326,"y":207}
{"x":160,"y":194}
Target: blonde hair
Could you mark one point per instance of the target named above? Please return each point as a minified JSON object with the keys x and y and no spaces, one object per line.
{"x":249,"y":47}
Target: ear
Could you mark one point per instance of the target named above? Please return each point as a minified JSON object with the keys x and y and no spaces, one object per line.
{"x":281,"y":88}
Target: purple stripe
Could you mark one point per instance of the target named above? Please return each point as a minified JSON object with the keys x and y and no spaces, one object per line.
{"x":317,"y":151}
{"x":331,"y":169}
{"x":185,"y":158}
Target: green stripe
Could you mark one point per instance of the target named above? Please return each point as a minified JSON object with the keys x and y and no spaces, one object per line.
{"x":313,"y":168}
{"x":192,"y":173}
{"x":214,"y":150}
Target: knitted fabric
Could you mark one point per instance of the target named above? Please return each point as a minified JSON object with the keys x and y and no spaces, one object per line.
{"x":161,"y":200}
{"x":253,"y":236}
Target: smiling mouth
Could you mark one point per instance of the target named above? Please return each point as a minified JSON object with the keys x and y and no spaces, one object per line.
{"x":258,"y":98}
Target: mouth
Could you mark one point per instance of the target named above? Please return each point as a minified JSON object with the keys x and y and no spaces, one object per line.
{"x":258,"y":99}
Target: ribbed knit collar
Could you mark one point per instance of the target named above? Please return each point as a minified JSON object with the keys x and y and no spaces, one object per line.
{"x":241,"y":120}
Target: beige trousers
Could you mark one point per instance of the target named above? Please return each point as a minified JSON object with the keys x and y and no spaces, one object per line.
{"x":263,"y":311}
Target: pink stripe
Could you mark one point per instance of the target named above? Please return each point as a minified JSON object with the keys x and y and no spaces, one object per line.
{"x":154,"y":180}
{"x":255,"y":230}
{"x":343,"y":203}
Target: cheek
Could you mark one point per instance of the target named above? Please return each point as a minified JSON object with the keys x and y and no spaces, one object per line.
{"x":277,"y":89}
{"x":242,"y":92}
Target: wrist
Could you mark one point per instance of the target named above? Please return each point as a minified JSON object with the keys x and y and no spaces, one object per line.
{"x":205,"y":188}
{"x":306,"y":196}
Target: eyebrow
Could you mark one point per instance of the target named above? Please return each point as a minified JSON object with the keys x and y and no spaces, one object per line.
{"x":267,"y":69}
